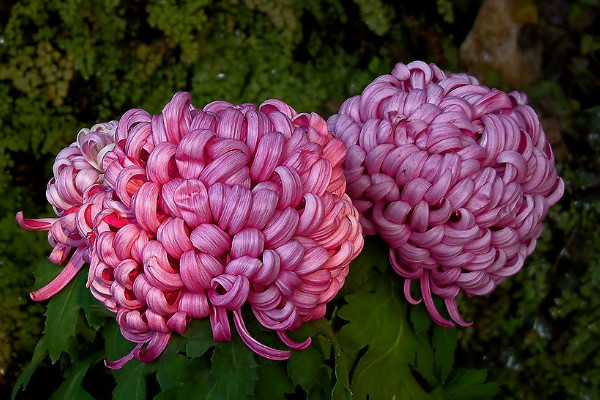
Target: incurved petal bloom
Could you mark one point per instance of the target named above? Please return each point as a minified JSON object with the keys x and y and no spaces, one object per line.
{"x":195,"y":213}
{"x":456,"y":178}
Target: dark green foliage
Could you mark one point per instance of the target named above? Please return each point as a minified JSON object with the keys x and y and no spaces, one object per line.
{"x":306,"y":368}
{"x":553,"y":307}
{"x":66,"y":65}
{"x":273,"y":381}
{"x":538,"y":333}
{"x":71,"y":388}
{"x":378,"y":319}
{"x":39,"y":354}
{"x":419,"y":356}
{"x":235,"y":369}
{"x":131,"y":382}
{"x":61,"y":317}
{"x":370,"y":333}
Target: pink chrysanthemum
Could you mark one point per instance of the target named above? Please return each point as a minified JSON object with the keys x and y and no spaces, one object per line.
{"x":76,"y":194}
{"x":193,"y":213}
{"x":454,"y":176}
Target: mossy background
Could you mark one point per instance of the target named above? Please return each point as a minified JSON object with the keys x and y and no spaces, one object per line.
{"x":68,"y":64}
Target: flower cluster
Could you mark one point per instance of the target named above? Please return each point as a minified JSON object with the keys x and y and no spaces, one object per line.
{"x":454,"y":176}
{"x":193,"y":213}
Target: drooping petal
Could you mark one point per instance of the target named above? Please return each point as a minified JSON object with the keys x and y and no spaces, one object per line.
{"x":63,"y":278}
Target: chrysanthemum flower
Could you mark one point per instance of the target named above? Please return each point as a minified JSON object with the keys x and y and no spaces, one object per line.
{"x":454,"y":176}
{"x":76,"y":194}
{"x":193,"y":213}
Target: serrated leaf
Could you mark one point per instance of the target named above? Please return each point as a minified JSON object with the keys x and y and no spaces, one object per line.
{"x":131,"y":382}
{"x":95,"y":313}
{"x":61,"y":317}
{"x":171,"y":373}
{"x":444,"y":344}
{"x":71,"y":388}
{"x":425,"y":362}
{"x":199,"y":338}
{"x":39,"y":353}
{"x":469,"y":384}
{"x":84,"y":330}
{"x":378,"y":321}
{"x":318,"y":393}
{"x":199,"y":384}
{"x":273,"y":381}
{"x":115,"y":345}
{"x":341,"y":389}
{"x":342,"y":361}
{"x":304,"y":367}
{"x":420,"y":319}
{"x":373,"y":255}
{"x":235,"y":369}
{"x":178,"y":376}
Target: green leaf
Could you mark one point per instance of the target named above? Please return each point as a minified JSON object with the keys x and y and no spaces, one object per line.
{"x":420,"y":319}
{"x":199,"y":338}
{"x":444,"y":344}
{"x":179,"y":376}
{"x":131,"y":382}
{"x":425,"y":363}
{"x":39,"y":353}
{"x":71,"y":388}
{"x":469,"y":384}
{"x":273,"y":381}
{"x":115,"y":345}
{"x":61,"y":317}
{"x":318,"y":393}
{"x":170,"y":373}
{"x":199,"y":384}
{"x":235,"y":368}
{"x":373,"y":256}
{"x":175,"y":348}
{"x":377,"y":321}
{"x":84,"y":330}
{"x":304,"y":367}
{"x":341,"y":389}
{"x":95,"y":313}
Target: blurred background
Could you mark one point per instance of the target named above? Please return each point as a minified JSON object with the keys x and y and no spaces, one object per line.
{"x":68,"y":64}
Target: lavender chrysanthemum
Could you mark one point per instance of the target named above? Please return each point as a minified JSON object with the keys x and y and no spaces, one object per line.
{"x":193,"y":213}
{"x":454,"y":176}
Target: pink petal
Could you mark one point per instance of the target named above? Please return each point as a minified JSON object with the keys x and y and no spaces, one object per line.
{"x":253,"y":344}
{"x":62,"y":279}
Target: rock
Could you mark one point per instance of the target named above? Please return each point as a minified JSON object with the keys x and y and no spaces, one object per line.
{"x":495,"y":42}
